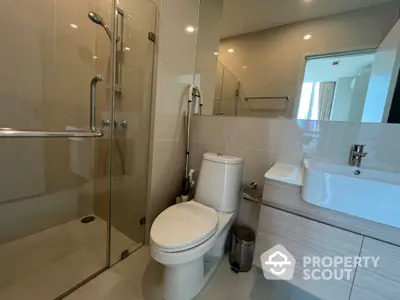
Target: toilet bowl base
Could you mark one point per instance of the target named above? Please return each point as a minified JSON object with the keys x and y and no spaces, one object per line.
{"x":185,"y":281}
{"x":187,"y":272}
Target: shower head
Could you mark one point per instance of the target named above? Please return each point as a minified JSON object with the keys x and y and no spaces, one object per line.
{"x":97,"y":19}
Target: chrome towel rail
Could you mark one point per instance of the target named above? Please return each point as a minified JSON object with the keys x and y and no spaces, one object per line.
{"x":12,"y":133}
{"x":287,"y":98}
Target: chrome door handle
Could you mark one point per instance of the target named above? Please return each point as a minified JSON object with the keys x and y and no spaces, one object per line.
{"x":92,"y":114}
{"x":92,"y":133}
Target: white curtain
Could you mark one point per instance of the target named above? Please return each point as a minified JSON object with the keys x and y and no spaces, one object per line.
{"x":326,"y":94}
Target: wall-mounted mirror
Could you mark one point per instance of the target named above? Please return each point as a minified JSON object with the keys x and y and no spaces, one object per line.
{"x":333,"y":60}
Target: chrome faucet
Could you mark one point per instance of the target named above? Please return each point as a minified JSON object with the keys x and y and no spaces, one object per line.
{"x":356,"y":155}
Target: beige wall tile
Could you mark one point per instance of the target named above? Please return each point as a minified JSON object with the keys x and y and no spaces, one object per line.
{"x":249,"y":213}
{"x":211,"y":130}
{"x":248,"y":133}
{"x":167,"y":176}
{"x":175,"y":69}
{"x":341,"y":136}
{"x":286,"y":136}
{"x":381,"y":145}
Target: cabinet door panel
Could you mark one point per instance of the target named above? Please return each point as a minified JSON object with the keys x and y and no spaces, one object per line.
{"x":304,"y":237}
{"x":383,"y":282}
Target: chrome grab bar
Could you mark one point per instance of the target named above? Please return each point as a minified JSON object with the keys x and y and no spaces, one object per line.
{"x":12,"y":133}
{"x":93,"y":133}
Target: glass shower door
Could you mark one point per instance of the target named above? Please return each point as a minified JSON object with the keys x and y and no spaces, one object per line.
{"x":226,"y":92}
{"x":73,"y":204}
{"x":50,"y":237}
{"x":230,"y":93}
{"x":131,"y":141}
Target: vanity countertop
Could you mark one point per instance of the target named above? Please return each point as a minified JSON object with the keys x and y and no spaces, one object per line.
{"x":287,"y":197}
{"x":285,"y":173}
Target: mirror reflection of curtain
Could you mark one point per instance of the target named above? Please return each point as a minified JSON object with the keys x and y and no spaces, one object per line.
{"x":326,"y":94}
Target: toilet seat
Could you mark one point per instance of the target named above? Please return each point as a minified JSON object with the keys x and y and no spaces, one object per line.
{"x":183,"y":226}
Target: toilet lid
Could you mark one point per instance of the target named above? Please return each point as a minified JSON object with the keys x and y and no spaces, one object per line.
{"x":183,"y":226}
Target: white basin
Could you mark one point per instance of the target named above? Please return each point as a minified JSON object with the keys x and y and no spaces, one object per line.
{"x":372,"y":195}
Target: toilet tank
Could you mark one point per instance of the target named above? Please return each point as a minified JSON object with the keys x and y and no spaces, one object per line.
{"x":220,"y":182}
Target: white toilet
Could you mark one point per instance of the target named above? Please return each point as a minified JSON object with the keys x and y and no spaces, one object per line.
{"x":189,"y":238}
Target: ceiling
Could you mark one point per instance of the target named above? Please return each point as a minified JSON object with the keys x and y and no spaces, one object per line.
{"x":324,"y":70}
{"x":243,"y":16}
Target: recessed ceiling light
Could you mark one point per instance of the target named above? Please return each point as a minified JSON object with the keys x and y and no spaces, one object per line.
{"x":127,"y":49}
{"x":73,"y":26}
{"x":231,"y":50}
{"x":244,"y":67}
{"x":189,"y":29}
{"x":216,"y":53}
{"x":307,"y":36}
{"x":95,"y":57}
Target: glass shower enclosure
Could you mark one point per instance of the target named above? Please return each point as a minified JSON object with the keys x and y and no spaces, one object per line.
{"x":227,"y":91}
{"x":75,"y":107}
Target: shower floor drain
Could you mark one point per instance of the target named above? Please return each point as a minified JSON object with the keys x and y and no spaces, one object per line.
{"x":87,"y":219}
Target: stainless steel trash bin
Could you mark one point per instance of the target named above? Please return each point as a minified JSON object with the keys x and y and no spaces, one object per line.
{"x":242,"y":249}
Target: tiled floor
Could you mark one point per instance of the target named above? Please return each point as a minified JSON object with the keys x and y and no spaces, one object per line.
{"x":44,"y":265}
{"x":138,"y":278}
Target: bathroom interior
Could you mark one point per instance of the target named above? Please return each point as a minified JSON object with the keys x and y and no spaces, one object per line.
{"x":287,"y":112}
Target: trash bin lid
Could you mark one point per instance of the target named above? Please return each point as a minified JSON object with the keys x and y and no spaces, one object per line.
{"x":244,"y":235}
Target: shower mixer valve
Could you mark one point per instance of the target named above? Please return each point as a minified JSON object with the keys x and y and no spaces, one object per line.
{"x":117,"y":124}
